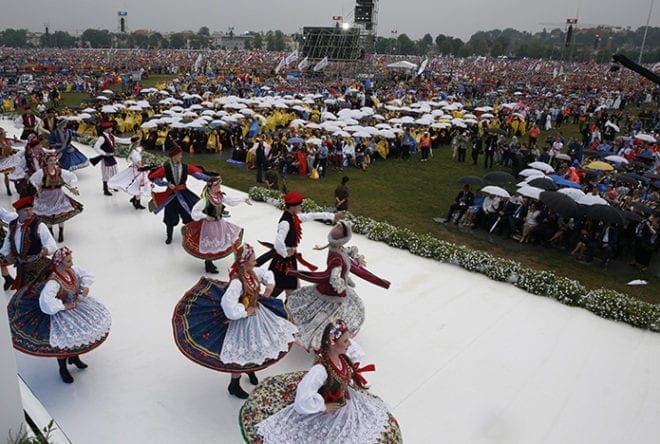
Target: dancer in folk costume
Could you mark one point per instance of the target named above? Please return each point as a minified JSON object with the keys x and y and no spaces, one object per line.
{"x":5,"y":219}
{"x":105,"y":147}
{"x":8,"y":158}
{"x":231,"y":327}
{"x":26,"y":164}
{"x":28,"y":123}
{"x":328,"y":404}
{"x":209,"y":236}
{"x":177,"y":200}
{"x":284,"y":255}
{"x":51,"y":204}
{"x":133,"y":180}
{"x":27,"y":244}
{"x":332,"y":296}
{"x":56,"y":317}
{"x":61,"y":141}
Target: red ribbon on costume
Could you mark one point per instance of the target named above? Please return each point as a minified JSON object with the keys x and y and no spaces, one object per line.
{"x":298,"y":227}
{"x":357,"y":370}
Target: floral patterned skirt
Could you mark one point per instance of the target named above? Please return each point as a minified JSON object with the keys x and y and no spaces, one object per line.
{"x":268,"y":417}
{"x":211,"y":239}
{"x":203,"y":332}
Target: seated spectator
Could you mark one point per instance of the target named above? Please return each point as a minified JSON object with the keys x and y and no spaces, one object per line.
{"x":530,"y":222}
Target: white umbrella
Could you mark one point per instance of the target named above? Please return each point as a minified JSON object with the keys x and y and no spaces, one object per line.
{"x":314,"y":141}
{"x":101,"y":98}
{"x":616,"y":159}
{"x":297,"y":123}
{"x":486,"y":116}
{"x":108,"y":109}
{"x":532,"y":192}
{"x":590,"y":199}
{"x":388,"y":134}
{"x":341,"y":134}
{"x":328,"y":116}
{"x":89,"y":110}
{"x":573,"y":193}
{"x":613,"y":126}
{"x":149,"y":124}
{"x":362,"y":134}
{"x":495,"y":191}
{"x":645,"y":138}
{"x":135,"y":108}
{"x":531,"y":172}
{"x":107,"y":91}
{"x":84,"y":116}
{"x":542,"y":166}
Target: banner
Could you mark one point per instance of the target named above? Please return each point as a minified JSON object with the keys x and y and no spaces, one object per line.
{"x":198,"y":62}
{"x":322,"y":64}
{"x":304,"y":63}
{"x":422,"y":67}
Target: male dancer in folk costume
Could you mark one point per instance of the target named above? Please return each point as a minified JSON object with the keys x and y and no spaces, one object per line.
{"x":30,"y":123}
{"x":28,"y":163}
{"x":133,"y":180}
{"x":105,"y":147}
{"x":177,"y":200}
{"x":27,"y":244}
{"x":283,"y":254}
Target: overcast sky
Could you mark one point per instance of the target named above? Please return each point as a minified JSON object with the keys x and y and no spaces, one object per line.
{"x":413,"y":17}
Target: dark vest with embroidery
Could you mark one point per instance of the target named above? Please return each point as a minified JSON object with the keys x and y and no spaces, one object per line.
{"x":291,"y":239}
{"x":108,"y":147}
{"x":169,"y":173}
{"x":51,"y":183}
{"x":67,"y":291}
{"x":336,"y":385}
{"x":31,"y":242}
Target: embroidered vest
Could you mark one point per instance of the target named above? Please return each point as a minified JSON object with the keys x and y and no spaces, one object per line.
{"x":68,"y":290}
{"x":335,"y":387}
{"x":213,"y":210}
{"x":31,"y":243}
{"x":169,"y":173}
{"x":251,"y":288}
{"x":334,"y":259}
{"x":291,"y":239}
{"x":51,"y":182}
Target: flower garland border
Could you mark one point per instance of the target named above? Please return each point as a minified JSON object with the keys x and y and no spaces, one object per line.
{"x":606,"y":303}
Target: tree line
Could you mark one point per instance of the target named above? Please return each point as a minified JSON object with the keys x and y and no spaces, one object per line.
{"x":588,"y":43}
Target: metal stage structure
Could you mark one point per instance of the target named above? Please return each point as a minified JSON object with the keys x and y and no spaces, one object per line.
{"x":348,"y":42}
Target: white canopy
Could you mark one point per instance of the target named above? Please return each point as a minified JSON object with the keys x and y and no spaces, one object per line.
{"x":403,"y":64}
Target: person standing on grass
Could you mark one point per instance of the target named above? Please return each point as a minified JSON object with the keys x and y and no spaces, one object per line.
{"x":341,"y":195}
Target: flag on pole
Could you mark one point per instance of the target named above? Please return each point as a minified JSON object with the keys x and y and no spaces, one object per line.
{"x":293,"y":57}
{"x":322,"y":64}
{"x":198,"y":62}
{"x":422,"y":67}
{"x":280,"y":65}
{"x":254,"y":129}
{"x":304,"y":63}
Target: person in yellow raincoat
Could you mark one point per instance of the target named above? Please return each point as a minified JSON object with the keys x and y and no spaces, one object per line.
{"x":383,"y":147}
{"x":213,"y":143}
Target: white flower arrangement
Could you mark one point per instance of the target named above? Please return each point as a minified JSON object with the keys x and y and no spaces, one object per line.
{"x":605,"y":303}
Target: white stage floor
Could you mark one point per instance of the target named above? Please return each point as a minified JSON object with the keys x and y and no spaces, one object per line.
{"x":460,"y":358}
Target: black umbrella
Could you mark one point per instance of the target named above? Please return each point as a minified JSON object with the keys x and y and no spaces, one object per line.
{"x":497,"y":131}
{"x":499,"y":177}
{"x":642,"y":208}
{"x":559,"y":202}
{"x":604,"y":213}
{"x":544,"y":183}
{"x":645,"y":155}
{"x":630,"y":216}
{"x":633,"y":176}
{"x":625,"y":178}
{"x":472,"y":180}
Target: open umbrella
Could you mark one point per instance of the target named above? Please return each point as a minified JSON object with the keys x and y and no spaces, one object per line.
{"x":630,"y":216}
{"x":616,"y":159}
{"x":604,"y":213}
{"x":531,"y":192}
{"x":495,"y":191}
{"x":531,"y":172}
{"x":543,"y":182}
{"x":294,"y":140}
{"x":472,"y":180}
{"x":499,"y":177}
{"x":599,"y":165}
{"x":646,"y":138}
{"x":542,"y":166}
{"x":559,"y":202}
{"x":642,"y":208}
{"x":573,"y":193}
{"x":497,"y":130}
{"x":562,"y":156}
{"x":592,"y":199}
{"x":645,"y":155}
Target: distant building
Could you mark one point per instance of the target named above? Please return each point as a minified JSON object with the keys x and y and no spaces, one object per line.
{"x":230,"y":40}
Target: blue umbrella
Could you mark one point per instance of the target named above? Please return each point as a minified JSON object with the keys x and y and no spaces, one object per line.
{"x":294,"y":140}
{"x":563,"y":182}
